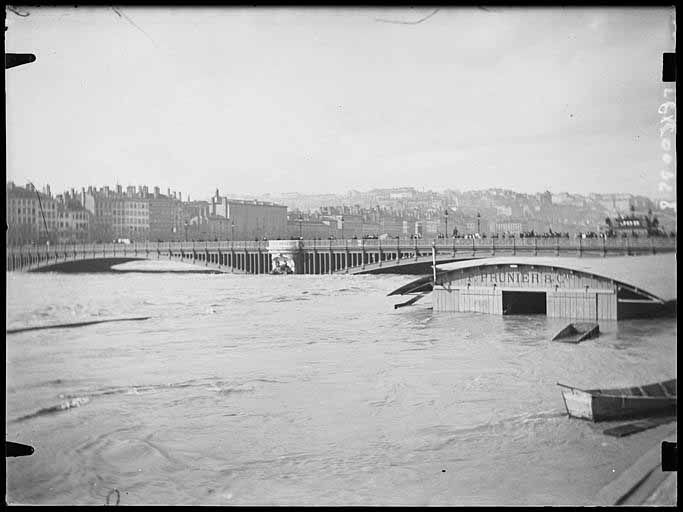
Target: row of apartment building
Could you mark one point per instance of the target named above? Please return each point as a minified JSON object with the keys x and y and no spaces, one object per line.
{"x":348,"y":226}
{"x":32,"y":217}
{"x":135,"y":214}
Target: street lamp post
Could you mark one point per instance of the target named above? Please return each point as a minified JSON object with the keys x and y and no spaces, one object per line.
{"x":446,"y":215}
{"x":478,"y":220}
{"x":301,"y":219}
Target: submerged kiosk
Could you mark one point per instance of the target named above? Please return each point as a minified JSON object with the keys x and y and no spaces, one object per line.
{"x":566,"y":287}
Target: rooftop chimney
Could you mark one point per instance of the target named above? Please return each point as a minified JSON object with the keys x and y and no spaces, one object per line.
{"x":156,"y":192}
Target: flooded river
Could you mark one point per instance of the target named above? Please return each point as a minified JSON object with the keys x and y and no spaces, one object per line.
{"x":304,"y":390}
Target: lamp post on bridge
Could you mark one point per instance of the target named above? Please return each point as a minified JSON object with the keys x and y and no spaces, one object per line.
{"x":446,"y":216}
{"x":301,"y":219}
{"x":478,"y":221}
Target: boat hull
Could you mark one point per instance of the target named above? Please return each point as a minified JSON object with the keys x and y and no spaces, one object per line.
{"x":600,"y":407}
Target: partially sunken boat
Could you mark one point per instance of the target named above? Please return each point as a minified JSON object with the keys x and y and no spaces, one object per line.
{"x":656,"y":399}
{"x":418,"y":288}
{"x":577,"y":332}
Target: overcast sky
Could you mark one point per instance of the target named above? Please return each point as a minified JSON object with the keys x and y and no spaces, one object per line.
{"x":327,"y":100}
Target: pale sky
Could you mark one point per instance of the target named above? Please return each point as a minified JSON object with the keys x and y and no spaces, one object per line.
{"x":327,"y":100}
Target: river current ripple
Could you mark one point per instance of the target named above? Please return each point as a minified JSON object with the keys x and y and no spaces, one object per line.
{"x":304,"y":390}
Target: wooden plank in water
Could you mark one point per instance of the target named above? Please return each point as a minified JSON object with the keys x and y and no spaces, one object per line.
{"x":576,"y":338}
{"x":637,"y":426}
{"x":76,"y":324}
{"x":565,"y":332}
{"x":408,"y":302}
{"x":589,"y":334}
{"x":577,"y":332}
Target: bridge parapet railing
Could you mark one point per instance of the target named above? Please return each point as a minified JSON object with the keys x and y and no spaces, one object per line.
{"x":630,"y":244}
{"x":194,"y":246}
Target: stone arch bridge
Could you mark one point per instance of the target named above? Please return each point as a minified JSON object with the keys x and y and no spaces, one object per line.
{"x":320,"y":256}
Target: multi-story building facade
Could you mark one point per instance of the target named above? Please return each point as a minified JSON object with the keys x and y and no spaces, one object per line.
{"x":100,"y":204}
{"x":31,"y":216}
{"x":632,"y":225}
{"x":134,"y":223}
{"x":208,"y":228}
{"x":310,"y":229}
{"x":508,"y":228}
{"x":166,"y":221}
{"x":74,"y":222}
{"x":118,"y":214}
{"x":251,"y":219}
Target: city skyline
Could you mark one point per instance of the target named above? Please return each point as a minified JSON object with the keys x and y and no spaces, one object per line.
{"x":319,"y":101}
{"x":211,"y":190}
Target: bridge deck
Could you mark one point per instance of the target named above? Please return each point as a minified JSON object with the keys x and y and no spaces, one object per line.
{"x":329,"y":256}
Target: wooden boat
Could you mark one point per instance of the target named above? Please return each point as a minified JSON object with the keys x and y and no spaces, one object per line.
{"x":577,"y":332}
{"x":614,"y":404}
